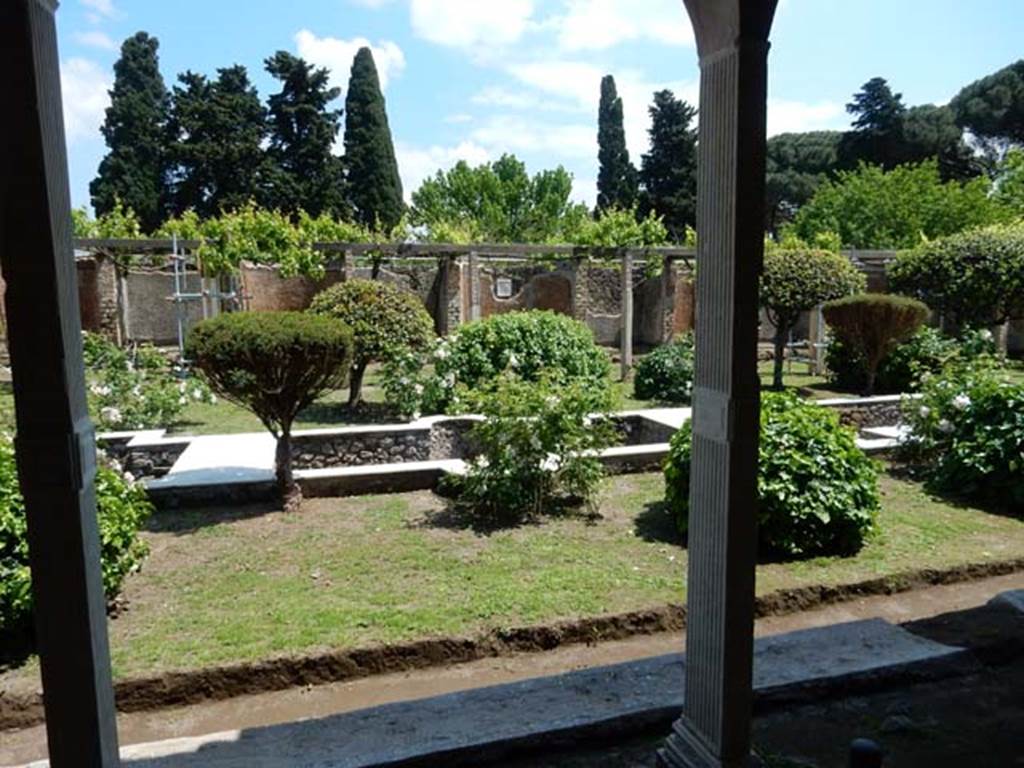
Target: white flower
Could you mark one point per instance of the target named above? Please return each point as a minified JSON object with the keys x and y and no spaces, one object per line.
{"x":449,"y":380}
{"x":945,"y":426}
{"x":102,"y":390}
{"x":115,"y":465}
{"x":481,"y":461}
{"x":404,"y":381}
{"x":415,"y":415}
{"x":182,"y":400}
{"x":129,"y":478}
{"x":418,"y":389}
{"x":182,"y":387}
{"x":110,"y":414}
{"x":551,"y":400}
{"x":137,"y":391}
{"x":924,"y":411}
{"x":197,"y":394}
{"x":986,"y":334}
{"x":441,"y":353}
{"x":550,"y":464}
{"x":925,"y":377}
{"x":213,"y":399}
{"x":513,"y":361}
{"x":961,"y":402}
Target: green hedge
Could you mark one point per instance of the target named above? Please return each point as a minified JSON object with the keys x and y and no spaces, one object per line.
{"x":818,"y":492}
{"x":665,"y":373}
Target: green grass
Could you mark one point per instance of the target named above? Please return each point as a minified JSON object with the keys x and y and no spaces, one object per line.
{"x":224,"y":586}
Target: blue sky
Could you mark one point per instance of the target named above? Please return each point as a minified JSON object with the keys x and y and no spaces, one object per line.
{"x":471,"y":79}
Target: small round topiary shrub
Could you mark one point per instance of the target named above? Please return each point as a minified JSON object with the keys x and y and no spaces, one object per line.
{"x":384,"y":319}
{"x":665,"y":374}
{"x":273,"y":364}
{"x":528,"y":344}
{"x":122,"y":507}
{"x":818,"y":492}
{"x":968,"y":434}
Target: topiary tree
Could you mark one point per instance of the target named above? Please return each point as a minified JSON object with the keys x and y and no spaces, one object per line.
{"x":872,"y":324}
{"x":973,"y":278}
{"x":665,"y":374}
{"x":273,"y":364}
{"x":796,"y":280}
{"x":384,"y":320}
{"x":817,"y":491}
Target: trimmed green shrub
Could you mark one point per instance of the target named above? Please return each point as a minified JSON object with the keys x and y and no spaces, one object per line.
{"x":537,"y":447}
{"x":817,"y":491}
{"x":526,"y":343}
{"x":926,"y":352}
{"x":273,"y":364}
{"x":796,"y":280}
{"x":968,"y":433}
{"x":122,"y":507}
{"x":665,"y":374}
{"x":384,"y":320}
{"x":974,"y":278}
{"x":872,"y":324}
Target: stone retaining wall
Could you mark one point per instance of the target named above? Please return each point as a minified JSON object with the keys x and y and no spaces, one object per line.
{"x":884,"y":411}
{"x":337,"y":449}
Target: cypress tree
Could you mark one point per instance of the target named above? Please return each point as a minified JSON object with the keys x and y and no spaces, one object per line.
{"x":616,"y":178}
{"x":302,"y":172}
{"x":668,"y":172}
{"x":133,"y":170}
{"x":374,"y":186}
{"x":216,"y":129}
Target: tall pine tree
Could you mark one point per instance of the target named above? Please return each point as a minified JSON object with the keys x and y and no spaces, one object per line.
{"x":303,"y":173}
{"x":374,"y":186}
{"x":133,"y":171}
{"x":216,"y":132}
{"x":877,"y":134}
{"x":616,"y":176}
{"x":668,"y":172}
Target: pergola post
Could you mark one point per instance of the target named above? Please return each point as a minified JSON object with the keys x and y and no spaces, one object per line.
{"x":732,"y":41}
{"x":55,"y":447}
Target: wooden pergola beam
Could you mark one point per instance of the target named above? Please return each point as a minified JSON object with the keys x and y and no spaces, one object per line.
{"x":55,"y":448}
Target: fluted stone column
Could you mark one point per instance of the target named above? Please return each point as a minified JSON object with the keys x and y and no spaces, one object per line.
{"x":55,"y":448}
{"x":714,"y":729}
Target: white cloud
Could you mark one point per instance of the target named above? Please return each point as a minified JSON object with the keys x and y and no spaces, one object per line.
{"x":512,"y":133}
{"x":336,"y":55}
{"x":785,"y":116}
{"x":459,"y":117}
{"x":417,"y":163}
{"x":84,"y":89}
{"x":468,"y":23}
{"x":600,"y":24}
{"x":584,"y":190}
{"x":101,"y":7}
{"x":497,"y":96}
{"x":96,"y":39}
{"x":370,"y":3}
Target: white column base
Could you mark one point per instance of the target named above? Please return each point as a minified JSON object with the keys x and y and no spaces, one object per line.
{"x":684,"y":748}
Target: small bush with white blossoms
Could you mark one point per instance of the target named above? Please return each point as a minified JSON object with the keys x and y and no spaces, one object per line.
{"x":136,"y":388}
{"x":968,"y":434}
{"x":665,"y":374}
{"x":527,"y":343}
{"x":537,"y":447}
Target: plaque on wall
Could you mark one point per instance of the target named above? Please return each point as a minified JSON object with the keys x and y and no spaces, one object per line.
{"x":503,"y":287}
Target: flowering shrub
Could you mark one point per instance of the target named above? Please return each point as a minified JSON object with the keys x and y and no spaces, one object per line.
{"x":136,"y":388}
{"x":927,"y":351}
{"x":122,"y":507}
{"x":526,"y":343}
{"x":666,"y":373}
{"x":537,"y":446}
{"x":817,"y":491}
{"x":968,"y":433}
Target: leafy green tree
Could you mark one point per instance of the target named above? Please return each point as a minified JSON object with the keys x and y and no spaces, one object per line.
{"x":495,"y":202}
{"x":668,"y":173}
{"x":871,"y":208}
{"x":133,"y":170}
{"x":384,"y":320}
{"x":616,"y":228}
{"x":374,"y":186}
{"x":795,"y":280}
{"x":216,"y":133}
{"x":992,"y":108}
{"x":303,"y":172}
{"x":877,"y":134}
{"x":932,"y":132}
{"x":616,"y":176}
{"x":796,"y":165}
{"x":1009,"y":184}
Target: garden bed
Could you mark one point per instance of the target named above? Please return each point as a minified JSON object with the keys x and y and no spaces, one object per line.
{"x":235,"y":598}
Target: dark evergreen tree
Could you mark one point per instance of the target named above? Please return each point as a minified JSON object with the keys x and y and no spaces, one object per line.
{"x":133,"y":170}
{"x":796,"y":164}
{"x":216,"y":130}
{"x":374,"y":186}
{"x":992,"y":108}
{"x":668,"y":173}
{"x":302,"y":172}
{"x":877,"y":134}
{"x":930,"y":131}
{"x":616,"y":177}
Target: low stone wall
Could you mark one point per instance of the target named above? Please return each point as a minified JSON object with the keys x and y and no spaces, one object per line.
{"x":865,"y":412}
{"x":394,"y":445}
{"x":148,"y":460}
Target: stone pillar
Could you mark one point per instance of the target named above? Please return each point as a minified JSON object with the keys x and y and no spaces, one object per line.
{"x":56,"y":451}
{"x":714,"y":729}
{"x":441,"y":310}
{"x":474,"y":286}
{"x":626,"y":342}
{"x":348,"y":265}
{"x":581,"y":286}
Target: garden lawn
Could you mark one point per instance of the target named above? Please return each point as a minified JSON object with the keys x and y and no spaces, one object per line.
{"x":223,"y":586}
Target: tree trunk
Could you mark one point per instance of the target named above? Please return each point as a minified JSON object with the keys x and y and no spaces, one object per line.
{"x":780,"y":351}
{"x":869,"y":386}
{"x":375,"y":268}
{"x":291,"y":494}
{"x":355,"y":385}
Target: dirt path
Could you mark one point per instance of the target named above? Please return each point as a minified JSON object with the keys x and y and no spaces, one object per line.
{"x":319,"y":701}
